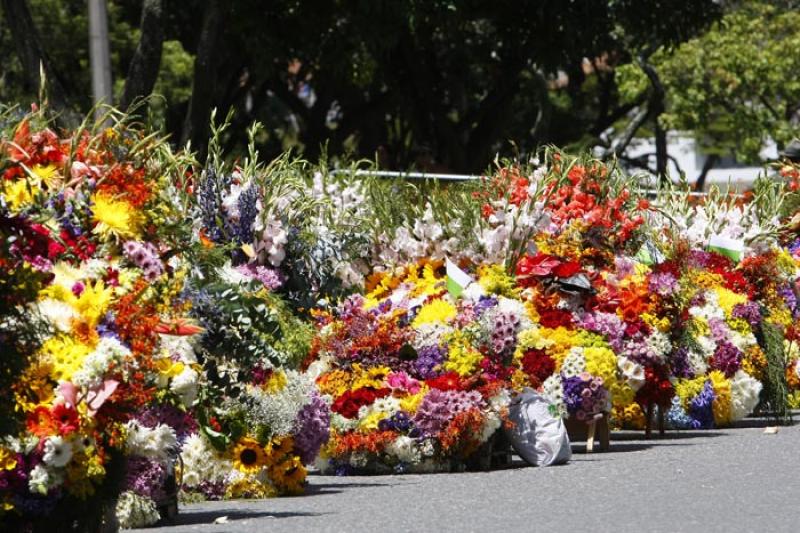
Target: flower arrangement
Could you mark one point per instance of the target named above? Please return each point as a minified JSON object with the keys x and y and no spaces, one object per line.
{"x":416,"y":379}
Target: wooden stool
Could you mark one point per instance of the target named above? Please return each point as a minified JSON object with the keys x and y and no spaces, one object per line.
{"x":649,"y":421}
{"x":596,"y":428}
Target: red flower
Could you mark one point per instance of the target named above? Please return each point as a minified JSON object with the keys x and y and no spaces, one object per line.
{"x":538,"y":265}
{"x":41,"y":423}
{"x":351,"y":401}
{"x":553,"y":318}
{"x":565,"y":270}
{"x":446,"y":381}
{"x":538,"y":365}
{"x":65,"y":418}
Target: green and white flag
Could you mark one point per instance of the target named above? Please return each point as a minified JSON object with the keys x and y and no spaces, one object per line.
{"x":457,"y":279}
{"x":731,"y":248}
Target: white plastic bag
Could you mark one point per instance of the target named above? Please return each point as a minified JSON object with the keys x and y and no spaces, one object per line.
{"x":536,"y":435}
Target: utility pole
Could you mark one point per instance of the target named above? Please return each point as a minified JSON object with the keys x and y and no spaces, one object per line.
{"x":100,"y":54}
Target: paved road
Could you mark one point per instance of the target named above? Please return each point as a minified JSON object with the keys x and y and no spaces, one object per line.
{"x":726,"y":480}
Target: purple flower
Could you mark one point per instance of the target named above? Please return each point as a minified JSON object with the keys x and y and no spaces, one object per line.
{"x":428,"y":358}
{"x":750,"y":312}
{"x":681,"y":367}
{"x":663,"y":283}
{"x":145,"y":477}
{"x":727,"y":358}
{"x":701,"y":408}
{"x":181,"y":421}
{"x":312,"y":428}
{"x":439,"y":407}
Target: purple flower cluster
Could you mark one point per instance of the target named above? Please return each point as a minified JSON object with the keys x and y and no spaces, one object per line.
{"x":311,"y":428}
{"x":399,"y":421}
{"x":794,"y":248}
{"x":504,"y":334}
{"x":638,"y":350}
{"x":181,"y":421}
{"x":212,"y":490}
{"x":584,"y":395}
{"x":681,"y":367}
{"x":269,"y":277}
{"x":145,"y":256}
{"x":663,"y":283}
{"x":439,"y":407}
{"x":727,"y":358}
{"x":785,"y":291}
{"x":484,"y":303}
{"x":428,"y":359}
{"x":719,"y":330}
{"x":145,"y":477}
{"x":748,"y":311}
{"x":701,"y":408}
{"x":609,"y":325}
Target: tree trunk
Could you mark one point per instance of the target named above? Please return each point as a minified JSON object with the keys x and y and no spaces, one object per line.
{"x":35,"y":61}
{"x":196,"y":123}
{"x":709,"y":163}
{"x":143,"y":70}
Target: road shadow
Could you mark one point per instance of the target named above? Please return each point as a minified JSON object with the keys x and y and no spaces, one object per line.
{"x":335,"y":488}
{"x":670,"y":434}
{"x":188,"y":518}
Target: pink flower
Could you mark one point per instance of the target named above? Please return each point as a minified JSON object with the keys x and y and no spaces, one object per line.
{"x":404,"y":382}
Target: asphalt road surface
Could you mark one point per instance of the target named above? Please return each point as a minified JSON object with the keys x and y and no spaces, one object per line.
{"x":729,"y":480}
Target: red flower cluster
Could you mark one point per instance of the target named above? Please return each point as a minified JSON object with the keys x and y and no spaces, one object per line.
{"x":351,"y":401}
{"x":446,"y":381}
{"x":538,"y":365}
{"x":657,"y":389}
{"x":543,"y":265}
{"x":508,"y":184}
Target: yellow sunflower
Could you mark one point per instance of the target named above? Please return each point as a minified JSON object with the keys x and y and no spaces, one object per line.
{"x":248,"y":456}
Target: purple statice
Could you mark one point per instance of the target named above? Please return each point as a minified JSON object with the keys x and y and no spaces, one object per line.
{"x":181,"y":421}
{"x":311,"y":428}
{"x":145,"y":477}
{"x":212,"y":490}
{"x":351,"y":307}
{"x":438,"y":408}
{"x":428,"y":360}
{"x":269,"y":277}
{"x":701,"y":408}
{"x":794,"y":248}
{"x":145,"y":256}
{"x":681,"y":367}
{"x":246,"y":204}
{"x":748,"y":311}
{"x":609,"y":325}
{"x":483,"y":304}
{"x":663,"y":283}
{"x":727,"y":358}
{"x":785,"y":291}
{"x":399,"y":421}
{"x":504,"y":334}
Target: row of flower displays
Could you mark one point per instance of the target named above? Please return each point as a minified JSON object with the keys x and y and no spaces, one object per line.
{"x":172,"y":330}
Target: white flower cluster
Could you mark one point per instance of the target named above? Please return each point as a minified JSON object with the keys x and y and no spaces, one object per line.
{"x":278,"y":410}
{"x":156,"y":443}
{"x":552,"y":392}
{"x":574,"y":363}
{"x":134,"y":511}
{"x":202,"y":463}
{"x":744,"y":394}
{"x":271,"y":240}
{"x":632,"y":372}
{"x":109,"y":351}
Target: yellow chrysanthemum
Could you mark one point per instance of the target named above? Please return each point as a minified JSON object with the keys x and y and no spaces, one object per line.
{"x":335,"y":383}
{"x":169,"y":368}
{"x":686,"y":389}
{"x":35,"y":387}
{"x":462,"y":358}
{"x":436,"y":312}
{"x":276,"y":382}
{"x":371,"y":377}
{"x":18,"y":194}
{"x":370,"y":422}
{"x":8,"y":459}
{"x":248,"y":456}
{"x":66,"y":355}
{"x":661,"y":324}
{"x":114,"y":218}
{"x":93,"y":302}
{"x":729,"y":299}
{"x":495,"y":280}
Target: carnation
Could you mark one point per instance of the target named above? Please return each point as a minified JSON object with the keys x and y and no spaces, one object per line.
{"x":157,"y":443}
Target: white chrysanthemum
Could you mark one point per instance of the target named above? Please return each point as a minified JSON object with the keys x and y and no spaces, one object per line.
{"x":57,"y":452}
{"x":553,"y":393}
{"x":153,"y":443}
{"x":491,"y":423}
{"x":659,"y":344}
{"x":430,"y":334}
{"x":342,"y":424}
{"x":59,"y":314}
{"x":745,"y":390}
{"x":134,"y":511}
{"x":39,"y":480}
{"x":201,"y":462}
{"x":500,"y":401}
{"x":743,"y":342}
{"x":707,"y":346}
{"x":185,"y":385}
{"x":574,"y":363}
{"x":109,"y":351}
{"x":405,"y":449}
{"x":473,"y":292}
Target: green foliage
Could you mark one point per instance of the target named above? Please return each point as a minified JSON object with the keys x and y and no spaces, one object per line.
{"x":737,"y":85}
{"x":774,"y":397}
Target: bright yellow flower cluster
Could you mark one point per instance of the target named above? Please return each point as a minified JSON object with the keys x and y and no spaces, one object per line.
{"x":495,"y":280}
{"x":371,"y":377}
{"x":702,"y":279}
{"x":462,"y":357}
{"x":662,"y":324}
{"x":435,"y":312}
{"x":602,"y":362}
{"x":66,"y":356}
{"x":19,"y":194}
{"x":276,"y":382}
{"x":755,"y":362}
{"x":729,"y":299}
{"x":370,"y":422}
{"x":722,"y":400}
{"x":335,"y":382}
{"x":686,"y":389}
{"x":629,"y":416}
{"x":85,"y":471}
{"x":410,"y":403}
